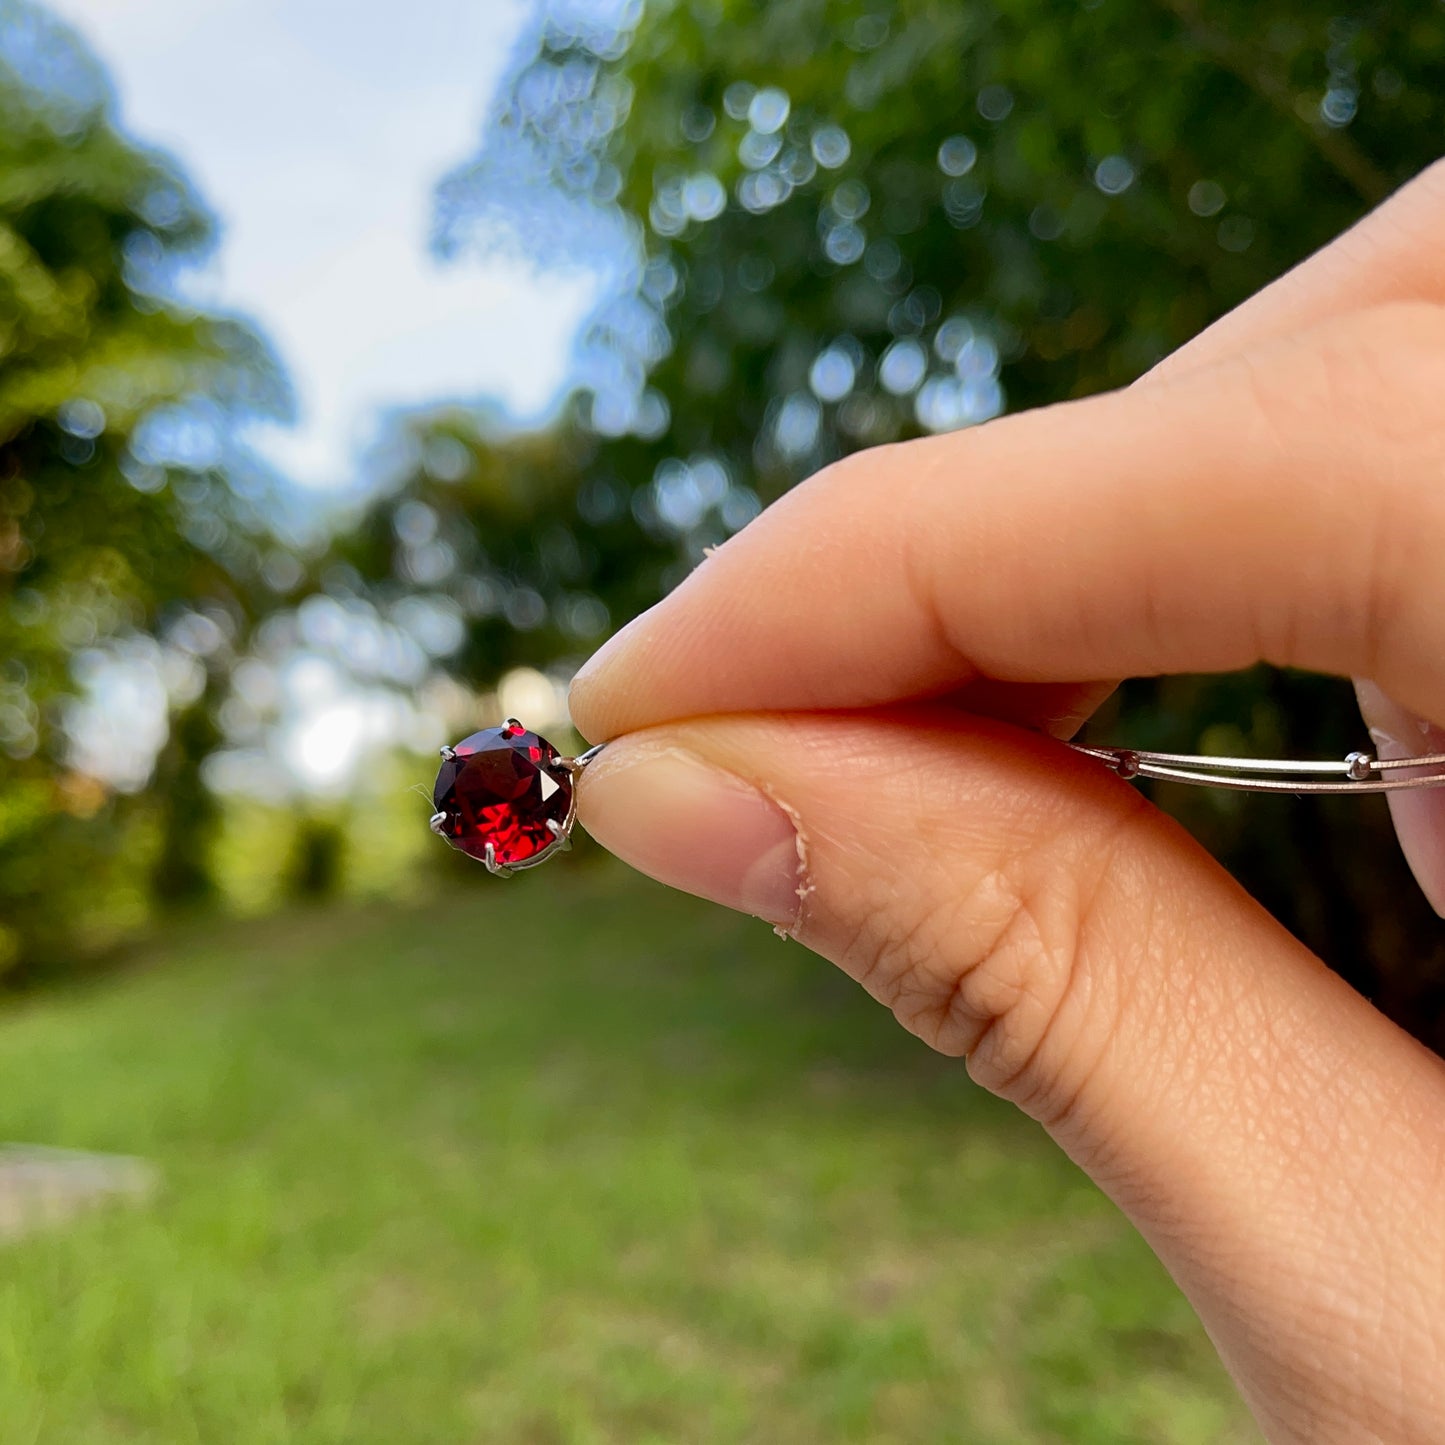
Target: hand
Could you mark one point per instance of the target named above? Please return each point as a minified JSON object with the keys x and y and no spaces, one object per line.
{"x":822,"y":727}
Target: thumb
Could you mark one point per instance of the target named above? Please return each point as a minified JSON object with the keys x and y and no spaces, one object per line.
{"x":1268,"y":1131}
{"x":1419,"y":816}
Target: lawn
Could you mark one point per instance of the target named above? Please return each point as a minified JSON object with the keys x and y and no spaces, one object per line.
{"x":561,"y":1160}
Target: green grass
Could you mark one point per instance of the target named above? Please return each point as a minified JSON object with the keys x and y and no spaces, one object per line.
{"x":566,"y":1160}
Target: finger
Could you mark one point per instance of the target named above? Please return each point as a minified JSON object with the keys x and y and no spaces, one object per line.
{"x":1389,"y":256}
{"x":1392,"y":255}
{"x":1285,"y":508}
{"x":1419,"y":816}
{"x":1275,"y":1138}
{"x":1057,"y":708}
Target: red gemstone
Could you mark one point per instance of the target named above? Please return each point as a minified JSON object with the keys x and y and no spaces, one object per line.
{"x":503,"y":787}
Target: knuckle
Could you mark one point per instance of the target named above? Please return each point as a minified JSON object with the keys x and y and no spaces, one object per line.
{"x":906,"y":965}
{"x":1012,"y":971}
{"x":1038,"y":998}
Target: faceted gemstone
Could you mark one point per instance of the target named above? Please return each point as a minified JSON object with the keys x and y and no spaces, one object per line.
{"x":503,"y":787}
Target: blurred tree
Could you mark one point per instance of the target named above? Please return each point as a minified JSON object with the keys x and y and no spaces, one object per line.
{"x":313,"y":870}
{"x":496,"y":549}
{"x":131,"y":536}
{"x":826,"y":224}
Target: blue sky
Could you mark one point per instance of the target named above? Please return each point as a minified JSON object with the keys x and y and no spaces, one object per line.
{"x":316,"y":130}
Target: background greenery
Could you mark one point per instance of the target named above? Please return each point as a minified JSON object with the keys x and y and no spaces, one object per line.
{"x":127,"y":515}
{"x":576,"y":1162}
{"x":623,"y":1169}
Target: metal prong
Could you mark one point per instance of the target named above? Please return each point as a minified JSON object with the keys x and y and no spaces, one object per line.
{"x":575,"y":765}
{"x":437,"y":820}
{"x":563,"y":837}
{"x":493,"y":867}
{"x":515,"y":725}
{"x":448,"y":754}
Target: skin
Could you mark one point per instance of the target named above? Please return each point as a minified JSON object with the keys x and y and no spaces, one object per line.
{"x":846,"y":722}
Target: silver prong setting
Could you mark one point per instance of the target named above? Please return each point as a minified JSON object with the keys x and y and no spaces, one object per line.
{"x":456,"y":826}
{"x":575,"y":765}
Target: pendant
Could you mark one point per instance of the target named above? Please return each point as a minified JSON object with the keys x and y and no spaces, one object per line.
{"x":507,"y":798}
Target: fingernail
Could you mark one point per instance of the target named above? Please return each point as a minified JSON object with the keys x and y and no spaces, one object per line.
{"x":1419,"y":816}
{"x":695,"y":827}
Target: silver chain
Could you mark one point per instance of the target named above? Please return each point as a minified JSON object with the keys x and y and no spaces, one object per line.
{"x":1357,"y":773}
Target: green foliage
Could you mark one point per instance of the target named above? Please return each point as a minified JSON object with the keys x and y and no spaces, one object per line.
{"x":1087,"y":187}
{"x":847,"y":222}
{"x":577,"y":1162}
{"x":119,"y":513}
{"x":526,"y":538}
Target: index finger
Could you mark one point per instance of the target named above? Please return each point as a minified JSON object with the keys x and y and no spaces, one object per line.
{"x":1282,"y":507}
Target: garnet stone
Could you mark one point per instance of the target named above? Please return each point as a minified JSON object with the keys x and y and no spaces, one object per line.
{"x":503,"y":786}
